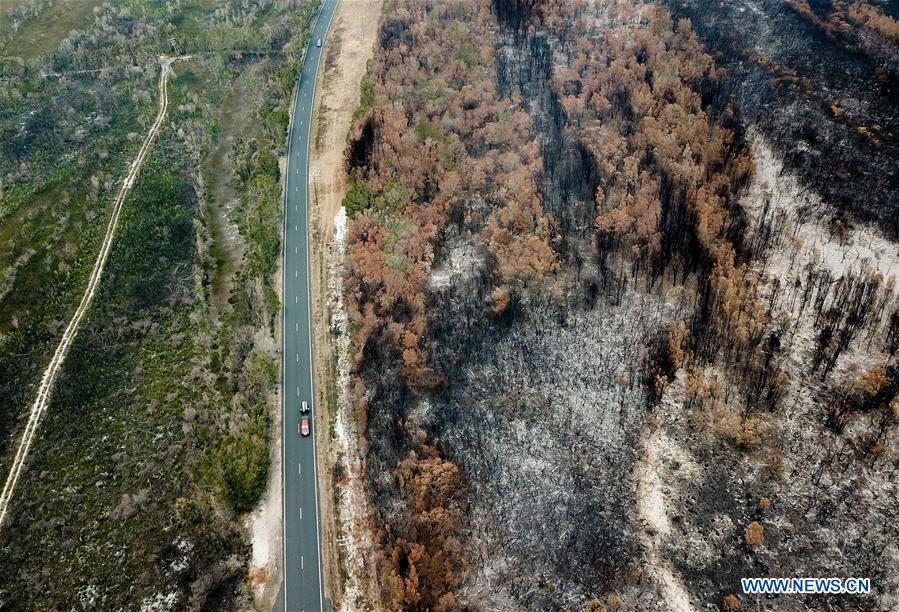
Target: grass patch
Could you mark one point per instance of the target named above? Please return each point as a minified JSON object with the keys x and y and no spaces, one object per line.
{"x":367,"y":93}
{"x":41,"y":33}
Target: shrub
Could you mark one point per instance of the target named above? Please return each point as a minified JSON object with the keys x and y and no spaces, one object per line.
{"x":754,"y":535}
{"x":266,"y":163}
{"x":276,"y":121}
{"x":874,"y":380}
{"x":245,"y":463}
{"x":499,"y":300}
{"x":744,"y":432}
{"x":357,"y":200}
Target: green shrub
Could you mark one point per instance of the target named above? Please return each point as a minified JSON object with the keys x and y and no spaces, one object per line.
{"x":367,"y":93}
{"x":276,"y":121}
{"x":358,"y":199}
{"x":266,"y":164}
{"x":393,"y":199}
{"x":245,"y":463}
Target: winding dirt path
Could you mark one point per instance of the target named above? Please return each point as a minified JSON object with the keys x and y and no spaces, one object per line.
{"x":46,"y":386}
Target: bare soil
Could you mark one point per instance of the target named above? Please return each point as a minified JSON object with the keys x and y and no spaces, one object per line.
{"x":350,"y":44}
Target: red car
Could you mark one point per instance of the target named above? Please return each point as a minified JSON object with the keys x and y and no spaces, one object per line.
{"x":304,"y":427}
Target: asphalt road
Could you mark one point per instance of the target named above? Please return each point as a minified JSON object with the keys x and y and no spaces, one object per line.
{"x":302,"y":588}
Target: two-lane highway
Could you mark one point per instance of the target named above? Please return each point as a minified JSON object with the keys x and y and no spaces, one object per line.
{"x":302,"y":588}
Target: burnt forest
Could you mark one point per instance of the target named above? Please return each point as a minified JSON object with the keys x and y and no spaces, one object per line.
{"x":620,"y":278}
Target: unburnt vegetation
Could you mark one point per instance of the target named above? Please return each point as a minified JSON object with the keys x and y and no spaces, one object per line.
{"x":615,"y":343}
{"x":157,"y":440}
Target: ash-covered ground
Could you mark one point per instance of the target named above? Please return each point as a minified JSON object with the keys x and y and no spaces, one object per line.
{"x":543,"y":411}
{"x":825,"y":99}
{"x":585,"y":488}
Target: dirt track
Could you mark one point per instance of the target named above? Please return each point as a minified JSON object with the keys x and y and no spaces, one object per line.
{"x":46,"y":386}
{"x":353,"y":31}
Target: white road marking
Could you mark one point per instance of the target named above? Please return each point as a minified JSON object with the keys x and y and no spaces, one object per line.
{"x":296,"y":228}
{"x":297,"y":327}
{"x":298,"y":395}
{"x":301,"y":513}
{"x":296,"y":249}
{"x":300,"y":471}
{"x":301,"y":138}
{"x":298,"y":358}
{"x":296,"y":274}
{"x":296,"y":299}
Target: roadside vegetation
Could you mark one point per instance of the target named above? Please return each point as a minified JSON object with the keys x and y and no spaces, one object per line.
{"x":158,"y":434}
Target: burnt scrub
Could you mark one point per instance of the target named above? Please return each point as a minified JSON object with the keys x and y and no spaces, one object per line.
{"x":824,"y":97}
{"x":611,"y":346}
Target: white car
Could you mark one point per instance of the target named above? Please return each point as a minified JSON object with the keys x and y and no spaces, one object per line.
{"x":304,"y":408}
{"x":319,"y":43}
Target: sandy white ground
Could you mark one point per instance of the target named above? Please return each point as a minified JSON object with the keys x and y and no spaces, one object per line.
{"x":653,"y":510}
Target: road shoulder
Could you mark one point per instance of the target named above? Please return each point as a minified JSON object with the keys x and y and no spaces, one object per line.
{"x":350,"y":44}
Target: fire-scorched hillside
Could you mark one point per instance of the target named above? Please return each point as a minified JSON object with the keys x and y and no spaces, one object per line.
{"x":610,"y":346}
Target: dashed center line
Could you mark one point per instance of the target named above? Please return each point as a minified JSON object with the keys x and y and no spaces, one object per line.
{"x":301,"y":138}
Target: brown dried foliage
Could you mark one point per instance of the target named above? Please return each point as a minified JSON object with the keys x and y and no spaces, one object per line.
{"x":636,"y":93}
{"x":437,"y":144}
{"x":754,"y":535}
